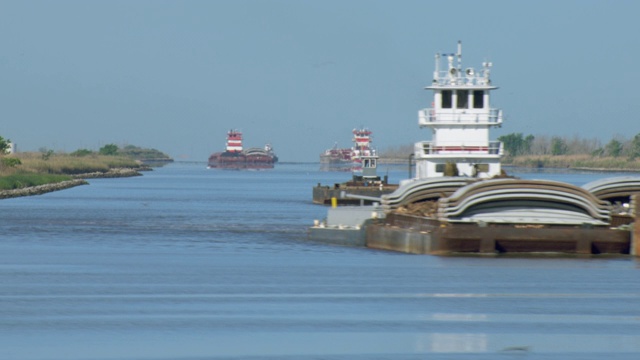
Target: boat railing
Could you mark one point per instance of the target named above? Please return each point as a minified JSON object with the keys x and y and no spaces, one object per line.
{"x":447,"y":78}
{"x":431,"y":148}
{"x":430,"y":116}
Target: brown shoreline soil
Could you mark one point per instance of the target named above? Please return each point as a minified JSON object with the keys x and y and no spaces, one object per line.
{"x":76,"y":181}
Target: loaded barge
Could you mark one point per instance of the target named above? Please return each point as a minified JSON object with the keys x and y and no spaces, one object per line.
{"x":348,"y":159}
{"x":461,"y":201}
{"x":235,"y":157}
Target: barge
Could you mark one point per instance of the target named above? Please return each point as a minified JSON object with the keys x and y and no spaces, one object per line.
{"x":364,"y":188}
{"x":461,"y":201}
{"x":365,"y":185}
{"x":235,"y":157}
{"x":348,"y":159}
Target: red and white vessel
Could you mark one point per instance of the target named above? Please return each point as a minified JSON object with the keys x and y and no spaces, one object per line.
{"x":362,"y":145}
{"x":236,"y":157}
{"x":349,"y":158}
{"x":337,"y":158}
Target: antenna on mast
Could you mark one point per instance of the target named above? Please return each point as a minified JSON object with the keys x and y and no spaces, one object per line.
{"x":436,"y":72}
{"x":459,"y":55}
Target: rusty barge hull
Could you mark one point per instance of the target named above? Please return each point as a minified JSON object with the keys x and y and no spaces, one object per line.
{"x":359,"y":186}
{"x":236,"y":161}
{"x":501,"y":216}
{"x":417,"y":235}
{"x":322,"y":194}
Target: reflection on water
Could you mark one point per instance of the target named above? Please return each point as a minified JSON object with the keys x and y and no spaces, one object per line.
{"x":453,"y":343}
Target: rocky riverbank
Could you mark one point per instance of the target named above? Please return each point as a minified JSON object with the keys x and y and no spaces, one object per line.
{"x":41,"y":189}
{"x":112,"y":173}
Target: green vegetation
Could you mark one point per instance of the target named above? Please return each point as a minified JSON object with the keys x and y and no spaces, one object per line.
{"x":10,"y":162}
{"x":575,"y":162}
{"x":4,"y":145}
{"x":561,"y":152}
{"x":517,"y":145}
{"x":32,"y":169}
{"x":22,"y":180}
{"x":109,"y":150}
{"x":144,"y":155}
{"x":46,"y":167}
{"x":71,"y":164}
{"x":81,"y":152}
{"x":130,"y":151}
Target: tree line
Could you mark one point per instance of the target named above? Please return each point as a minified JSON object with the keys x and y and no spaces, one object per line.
{"x":517,"y":144}
{"x":132,"y":151}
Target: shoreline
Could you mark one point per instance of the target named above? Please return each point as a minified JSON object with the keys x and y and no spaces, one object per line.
{"x":396,"y":161}
{"x":41,"y":189}
{"x":77,"y":180}
{"x":112,"y":173}
{"x":571,"y":168}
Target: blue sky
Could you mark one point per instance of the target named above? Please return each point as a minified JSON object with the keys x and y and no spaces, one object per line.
{"x":176,"y":75}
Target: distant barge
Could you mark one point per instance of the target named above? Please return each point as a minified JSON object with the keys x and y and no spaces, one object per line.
{"x":235,"y":157}
{"x":365,"y":185}
{"x":364,"y":188}
{"x":348,"y":159}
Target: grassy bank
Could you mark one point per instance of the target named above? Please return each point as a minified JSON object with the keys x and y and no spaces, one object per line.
{"x":22,"y":180}
{"x":603,"y":163}
{"x":32,"y":169}
{"x":586,"y":162}
{"x":72,"y":165}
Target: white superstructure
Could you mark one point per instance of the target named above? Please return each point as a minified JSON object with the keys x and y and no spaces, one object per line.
{"x":460,"y":118}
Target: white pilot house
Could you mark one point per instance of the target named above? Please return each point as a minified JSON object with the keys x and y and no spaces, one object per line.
{"x":460,"y":119}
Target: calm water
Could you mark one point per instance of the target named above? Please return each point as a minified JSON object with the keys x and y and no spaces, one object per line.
{"x":190,"y":263}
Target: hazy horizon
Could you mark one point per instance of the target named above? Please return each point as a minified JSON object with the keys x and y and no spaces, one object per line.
{"x":300,"y":75}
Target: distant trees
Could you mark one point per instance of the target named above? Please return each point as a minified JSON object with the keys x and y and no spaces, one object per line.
{"x":5,"y":145}
{"x":7,"y":162}
{"x":634,"y":149}
{"x":559,"y":146}
{"x":613,"y":148}
{"x":398,"y":152}
{"x":517,"y":144}
{"x":128,"y":151}
{"x":81,"y":152}
{"x":109,"y":149}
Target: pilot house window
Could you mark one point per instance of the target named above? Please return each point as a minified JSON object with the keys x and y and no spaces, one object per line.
{"x":369,"y":163}
{"x":478,"y":99}
{"x":463,"y":99}
{"x":447,"y":99}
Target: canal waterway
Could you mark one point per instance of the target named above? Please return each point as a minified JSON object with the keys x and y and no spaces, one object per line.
{"x":193,"y":263}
